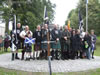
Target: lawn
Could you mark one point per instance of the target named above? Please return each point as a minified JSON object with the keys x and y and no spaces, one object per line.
{"x":97,"y":51}
{"x":4,"y":71}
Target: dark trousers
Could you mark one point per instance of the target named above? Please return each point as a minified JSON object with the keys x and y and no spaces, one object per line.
{"x":23,"y":52}
{"x":66,"y":50}
{"x":66,"y":54}
{"x":55,"y":54}
{"x":73,"y":53}
{"x":52,"y":54}
{"x":44,"y":54}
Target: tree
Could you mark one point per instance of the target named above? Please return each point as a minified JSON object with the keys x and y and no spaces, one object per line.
{"x":73,"y":17}
{"x":28,"y":12}
{"x":93,"y":14}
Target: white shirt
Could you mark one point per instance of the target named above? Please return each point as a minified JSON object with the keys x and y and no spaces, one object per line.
{"x":24,"y":33}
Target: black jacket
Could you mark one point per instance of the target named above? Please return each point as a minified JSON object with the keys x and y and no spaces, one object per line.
{"x":38,"y":35}
{"x":78,"y":42}
{"x":67,"y":34}
{"x":87,"y":38}
{"x":55,"y":34}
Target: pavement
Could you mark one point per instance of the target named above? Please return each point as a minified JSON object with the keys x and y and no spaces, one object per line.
{"x":42,"y":65}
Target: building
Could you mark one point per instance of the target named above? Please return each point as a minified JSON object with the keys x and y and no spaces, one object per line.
{"x":2,"y":28}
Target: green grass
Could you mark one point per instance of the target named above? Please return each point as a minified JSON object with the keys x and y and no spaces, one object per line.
{"x":97,"y":51}
{"x":2,"y":51}
{"x":4,"y":71}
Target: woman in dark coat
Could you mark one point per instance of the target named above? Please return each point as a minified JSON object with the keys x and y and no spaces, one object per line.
{"x":77,"y":43}
{"x":73,"y":44}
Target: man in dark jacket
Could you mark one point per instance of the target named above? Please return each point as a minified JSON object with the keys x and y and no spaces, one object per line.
{"x":66,"y":43}
{"x":38,"y":36}
{"x":56,"y":45}
{"x":15,"y":36}
{"x":44,"y":45}
{"x":61,"y":41}
{"x":18,"y":40}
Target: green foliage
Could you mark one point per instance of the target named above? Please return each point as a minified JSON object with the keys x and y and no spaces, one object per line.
{"x":93,"y":15}
{"x":28,"y":12}
{"x":73,"y":17}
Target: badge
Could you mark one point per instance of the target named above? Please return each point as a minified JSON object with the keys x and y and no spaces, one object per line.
{"x":18,"y":31}
{"x":45,"y":32}
{"x":38,"y":33}
{"x":56,"y":32}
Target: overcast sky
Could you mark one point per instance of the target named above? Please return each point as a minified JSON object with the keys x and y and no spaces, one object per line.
{"x":63,"y":7}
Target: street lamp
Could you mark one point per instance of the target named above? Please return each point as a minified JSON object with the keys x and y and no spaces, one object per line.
{"x":86,"y":15}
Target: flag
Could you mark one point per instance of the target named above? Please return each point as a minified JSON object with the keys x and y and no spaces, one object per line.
{"x":69,"y":25}
{"x":80,"y":22}
{"x":30,"y":40}
{"x":46,"y":15}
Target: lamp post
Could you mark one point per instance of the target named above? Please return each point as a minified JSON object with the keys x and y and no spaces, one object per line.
{"x":86,"y":15}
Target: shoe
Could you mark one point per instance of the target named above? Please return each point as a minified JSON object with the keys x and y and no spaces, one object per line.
{"x":22,"y":58}
{"x":12,"y":57}
{"x":17,"y":58}
{"x":52,"y":58}
{"x":27,"y":59}
{"x":33,"y":58}
{"x":37,"y":58}
{"x":56,"y":58}
{"x":92,"y":57}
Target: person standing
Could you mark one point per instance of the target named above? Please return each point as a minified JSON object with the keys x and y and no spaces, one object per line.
{"x":28,"y":45}
{"x":18,"y":39}
{"x":56,"y":47}
{"x":7,"y":39}
{"x":44,"y":45}
{"x":93,"y":39}
{"x":72,"y":44}
{"x":1,"y":42}
{"x":37,"y":47}
{"x":87,"y":42}
{"x":66,"y":43}
{"x":23,"y":35}
{"x":77,"y":43}
{"x":15,"y":40}
{"x":61,"y":41}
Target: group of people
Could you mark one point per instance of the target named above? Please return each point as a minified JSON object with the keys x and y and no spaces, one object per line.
{"x":62,"y":42}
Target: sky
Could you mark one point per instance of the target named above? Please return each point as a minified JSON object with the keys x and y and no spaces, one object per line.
{"x":63,"y":7}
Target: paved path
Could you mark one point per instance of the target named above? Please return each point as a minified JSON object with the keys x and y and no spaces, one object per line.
{"x":42,"y":65}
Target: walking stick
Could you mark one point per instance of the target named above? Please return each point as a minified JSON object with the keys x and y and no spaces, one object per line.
{"x":49,"y":57}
